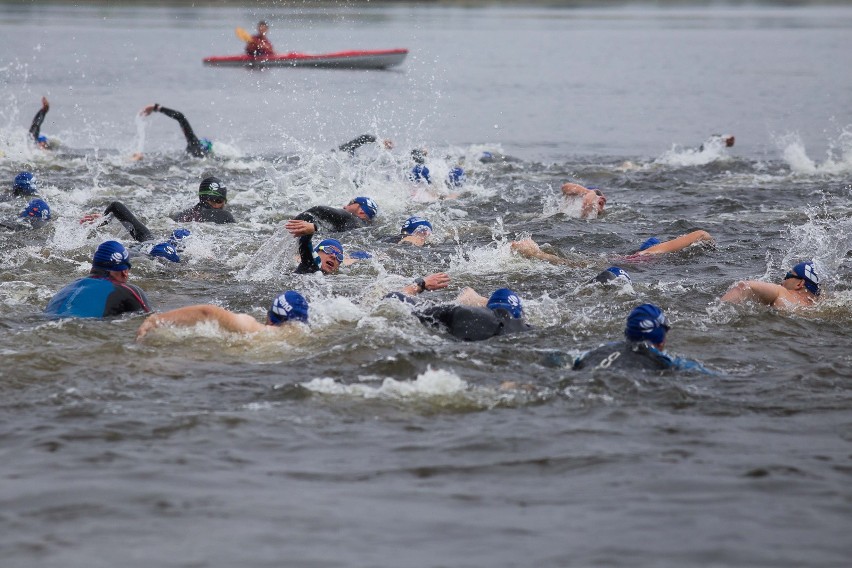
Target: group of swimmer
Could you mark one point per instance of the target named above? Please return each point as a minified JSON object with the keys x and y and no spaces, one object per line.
{"x":106,"y":292}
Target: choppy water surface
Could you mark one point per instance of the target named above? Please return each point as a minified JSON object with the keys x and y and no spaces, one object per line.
{"x":375,"y":441}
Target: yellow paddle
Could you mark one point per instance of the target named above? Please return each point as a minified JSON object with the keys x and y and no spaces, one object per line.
{"x":243,"y":35}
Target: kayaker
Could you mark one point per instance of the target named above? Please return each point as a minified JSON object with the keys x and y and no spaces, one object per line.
{"x":212,"y":197}
{"x":259,"y":45}
{"x":287,"y":308}
{"x":195,"y":146}
{"x":105,"y":292}
{"x":35,"y":129}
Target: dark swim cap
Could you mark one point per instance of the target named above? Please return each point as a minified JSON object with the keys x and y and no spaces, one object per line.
{"x":25,"y":184}
{"x":647,"y":323}
{"x":212,"y":187}
{"x":289,"y":306}
{"x":111,"y":255}
{"x":506,"y":299}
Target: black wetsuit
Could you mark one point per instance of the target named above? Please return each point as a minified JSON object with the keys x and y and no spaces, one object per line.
{"x":331,"y":218}
{"x":472,"y":323}
{"x":203,"y":212}
{"x":307,"y":260}
{"x":24,"y":224}
{"x":633,"y":355}
{"x":356,"y":143}
{"x":133,"y":225}
{"x":35,"y":128}
{"x":193,"y":144}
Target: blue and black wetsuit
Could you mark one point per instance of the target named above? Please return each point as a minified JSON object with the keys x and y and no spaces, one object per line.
{"x":203,"y":212}
{"x":308,"y":260}
{"x":634,"y":355}
{"x":193,"y":144}
{"x":97,"y":296}
{"x":332,"y":218}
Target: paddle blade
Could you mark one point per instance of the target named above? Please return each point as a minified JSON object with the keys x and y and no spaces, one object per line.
{"x":243,"y":35}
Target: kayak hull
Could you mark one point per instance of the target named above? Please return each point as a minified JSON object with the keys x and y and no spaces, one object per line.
{"x":375,"y":59}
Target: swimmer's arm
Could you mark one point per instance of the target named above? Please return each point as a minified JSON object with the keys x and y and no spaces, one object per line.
{"x":431,"y":282}
{"x":574,"y":190}
{"x":679,"y":243}
{"x":470,"y":297}
{"x":299,"y":228}
{"x":191,"y":315}
{"x":529,"y":248}
{"x":763,"y":292}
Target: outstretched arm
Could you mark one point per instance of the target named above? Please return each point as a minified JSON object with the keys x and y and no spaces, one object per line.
{"x":431,"y":282}
{"x":191,"y":138}
{"x":470,"y":297}
{"x":679,"y":243}
{"x":35,"y":128}
{"x":191,"y":315}
{"x":529,"y":248}
{"x":756,"y":290}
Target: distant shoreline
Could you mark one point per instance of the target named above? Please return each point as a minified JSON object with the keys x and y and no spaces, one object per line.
{"x":292,"y":4}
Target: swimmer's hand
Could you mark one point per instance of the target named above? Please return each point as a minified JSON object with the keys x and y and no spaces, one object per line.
{"x":526,"y":247}
{"x":150,"y":323}
{"x":437,"y":281}
{"x":44,"y":104}
{"x":137,"y":156}
{"x":148,"y":110}
{"x":299,"y":228}
{"x":90,"y":218}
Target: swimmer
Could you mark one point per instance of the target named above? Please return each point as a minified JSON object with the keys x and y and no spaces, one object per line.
{"x":364,"y":139}
{"x":643,"y":346}
{"x":35,"y":128}
{"x":530,"y":249}
{"x":199,"y":148}
{"x":25,"y":185}
{"x":212,"y":197}
{"x":104,"y":292}
{"x":34,"y":216}
{"x":326,"y":257}
{"x":259,"y":46}
{"x":799,"y":289}
{"x":414,"y":231}
{"x":420,"y":174}
{"x":717,"y":141}
{"x":654,"y":246}
{"x":472,"y":317}
{"x":287,"y":309}
{"x":593,"y":199}
{"x":358,"y":213}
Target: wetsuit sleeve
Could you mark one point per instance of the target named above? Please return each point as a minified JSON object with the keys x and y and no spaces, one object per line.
{"x":306,"y":256}
{"x":133,"y":225}
{"x":331,"y":218}
{"x":193,"y":145}
{"x":356,"y":143}
{"x":126,"y":298}
{"x":437,"y":316}
{"x":35,"y":128}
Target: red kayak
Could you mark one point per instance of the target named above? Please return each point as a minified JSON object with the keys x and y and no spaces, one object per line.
{"x":375,"y":59}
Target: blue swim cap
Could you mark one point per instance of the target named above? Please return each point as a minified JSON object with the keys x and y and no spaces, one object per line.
{"x":612,"y":273}
{"x":165,"y":250}
{"x":416,"y":225}
{"x":36,"y":209}
{"x":289,"y":306}
{"x":368,"y":206}
{"x":25,"y":184}
{"x":647,"y":323}
{"x":807,"y":272}
{"x":206,"y":144}
{"x":504,"y":298}
{"x":42,"y":139}
{"x":178,"y":235}
{"x":360,"y":254}
{"x":331,"y":246}
{"x":419,"y":172}
{"x":111,"y":255}
{"x":649,"y":243}
{"x":456,"y":177}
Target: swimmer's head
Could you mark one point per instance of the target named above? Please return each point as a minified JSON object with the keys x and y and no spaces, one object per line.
{"x":112,"y":256}
{"x":213,"y":190}
{"x":647,"y":323}
{"x":367,"y":206}
{"x":806,"y":272}
{"x":649,"y":243}
{"x":329,"y":255}
{"x":288,"y":306}
{"x":207,"y":144}
{"x":43,"y":142}
{"x":456,"y":177}
{"x":164,"y":250}
{"x":414,"y":225}
{"x":419,"y":155}
{"x":506,"y":299}
{"x":178,"y":235}
{"x":36,"y":209}
{"x":612,"y":274}
{"x":25,"y":184}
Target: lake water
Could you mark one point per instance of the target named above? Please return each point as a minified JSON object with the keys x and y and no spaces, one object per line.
{"x":373,"y":440}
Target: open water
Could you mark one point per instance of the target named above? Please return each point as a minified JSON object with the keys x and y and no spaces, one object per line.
{"x":374,"y":441}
